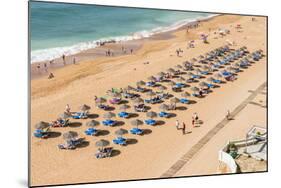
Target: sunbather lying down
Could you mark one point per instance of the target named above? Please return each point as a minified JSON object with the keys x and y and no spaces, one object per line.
{"x":104,"y":152}
{"x":60,"y":123}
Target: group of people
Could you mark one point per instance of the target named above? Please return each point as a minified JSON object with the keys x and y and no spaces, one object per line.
{"x":182,"y":126}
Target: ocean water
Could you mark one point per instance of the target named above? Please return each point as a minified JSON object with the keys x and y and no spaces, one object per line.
{"x":58,"y":29}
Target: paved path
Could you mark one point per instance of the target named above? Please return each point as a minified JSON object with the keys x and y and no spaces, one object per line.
{"x":188,"y":156}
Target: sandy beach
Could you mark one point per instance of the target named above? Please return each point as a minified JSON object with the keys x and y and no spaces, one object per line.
{"x":150,"y":155}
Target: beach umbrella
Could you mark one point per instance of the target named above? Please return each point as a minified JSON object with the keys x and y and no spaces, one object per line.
{"x":180,"y":79}
{"x":178,"y":66}
{"x":85,"y":107}
{"x":164,"y":107}
{"x":161,"y":74}
{"x":140,"y":83}
{"x":210,"y":79}
{"x":193,"y":60}
{"x":236,"y":65}
{"x":218,"y":75}
{"x":42,"y":125}
{"x":102,"y":143}
{"x":171,"y":83}
{"x":197,"y":70}
{"x":64,"y":115}
{"x":138,"y":100}
{"x":124,"y":107}
{"x":92,"y":123}
{"x":162,"y":88}
{"x":109,"y":115}
{"x":174,"y":100}
{"x":136,"y":122}
{"x":121,"y":132}
{"x":195,"y":89}
{"x":189,"y":74}
{"x":128,"y":88}
{"x":151,"y":78}
{"x":206,"y":68}
{"x":69,"y":135}
{"x":150,"y":94}
{"x":100,"y":100}
{"x":202,"y":84}
{"x":115,"y":95}
{"x":151,"y":114}
{"x":171,"y":70}
{"x":185,"y":94}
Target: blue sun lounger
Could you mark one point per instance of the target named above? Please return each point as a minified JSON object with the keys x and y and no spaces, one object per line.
{"x":150,"y":84}
{"x":210,"y":85}
{"x":150,"y":122}
{"x":91,"y":131}
{"x":195,"y":76}
{"x":179,"y":85}
{"x":184,"y":100}
{"x":120,"y":141}
{"x":164,"y":114}
{"x":216,"y":81}
{"x":136,"y":131}
{"x":79,"y":115}
{"x":225,"y":73}
{"x":40,"y":133}
{"x":108,"y":122}
{"x":123,"y":114}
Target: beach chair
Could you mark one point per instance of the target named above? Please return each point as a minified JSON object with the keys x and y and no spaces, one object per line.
{"x":115,"y":101}
{"x":180,"y":85}
{"x":136,"y":131}
{"x":184,"y":101}
{"x":103,"y":107}
{"x":150,"y":122}
{"x":150,"y":84}
{"x":164,"y":114}
{"x":140,"y":109}
{"x":80,"y":115}
{"x":204,"y":72}
{"x":217,"y":81}
{"x":38,"y":133}
{"x":109,"y":122}
{"x":123,"y":114}
{"x":120,"y":141}
{"x":91,"y":132}
{"x":209,"y":85}
{"x":60,"y":123}
{"x":103,"y":153}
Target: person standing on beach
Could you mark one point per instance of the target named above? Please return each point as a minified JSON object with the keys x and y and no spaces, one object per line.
{"x":67,"y":109}
{"x":63,"y":59}
{"x":38,"y":67}
{"x":74,"y":60}
{"x":228,"y":115}
{"x":183,"y":128}
{"x":177,"y":124}
{"x":45,"y":67}
{"x":131,"y":51}
{"x":194,"y":118}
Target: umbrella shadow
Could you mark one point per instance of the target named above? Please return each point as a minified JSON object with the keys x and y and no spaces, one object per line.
{"x":131,"y":141}
{"x":196,"y":65}
{"x":146,"y":131}
{"x":83,"y":144}
{"x":115,"y":152}
{"x":160,"y":122}
{"x":192,"y":102}
{"x":172,"y":115}
{"x":124,"y":102}
{"x":54,"y":134}
{"x":133,"y":115}
{"x":103,"y":132}
{"x":181,"y":108}
{"x":75,"y":124}
{"x":93,"y":116}
{"x":147,"y":107}
{"x":110,"y":108}
{"x":119,"y":123}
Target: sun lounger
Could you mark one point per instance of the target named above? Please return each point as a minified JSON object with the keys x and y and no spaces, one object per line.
{"x":164,"y":114}
{"x":80,"y":115}
{"x":115,"y":101}
{"x":180,"y":85}
{"x":217,"y":81}
{"x":40,"y":133}
{"x":184,"y":101}
{"x":150,"y":84}
{"x":150,"y":122}
{"x":123,"y":114}
{"x":120,"y":141}
{"x":136,"y":131}
{"x":105,"y":152}
{"x":60,"y":123}
{"x":109,"y":122}
{"x":91,"y":132}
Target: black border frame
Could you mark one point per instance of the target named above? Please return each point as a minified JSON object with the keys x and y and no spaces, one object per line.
{"x":130,"y":180}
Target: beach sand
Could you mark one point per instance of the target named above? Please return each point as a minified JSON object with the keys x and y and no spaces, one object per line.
{"x":150,"y":155}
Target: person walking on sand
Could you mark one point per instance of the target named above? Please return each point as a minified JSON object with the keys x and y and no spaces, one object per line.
{"x":45,"y":67}
{"x":228,"y":115}
{"x":183,"y":128}
{"x":194,"y":118}
{"x":67,"y":109}
{"x":74,"y":60}
{"x":177,"y":124}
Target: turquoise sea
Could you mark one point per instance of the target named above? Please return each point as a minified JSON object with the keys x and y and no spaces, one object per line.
{"x":58,"y":28}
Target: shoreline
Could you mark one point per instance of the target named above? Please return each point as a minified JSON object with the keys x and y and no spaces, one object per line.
{"x":99,"y":51}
